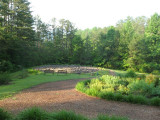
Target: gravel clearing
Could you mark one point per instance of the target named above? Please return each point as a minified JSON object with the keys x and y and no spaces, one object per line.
{"x":62,"y":95}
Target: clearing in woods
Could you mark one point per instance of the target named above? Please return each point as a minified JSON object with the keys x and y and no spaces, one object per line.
{"x":60,"y":95}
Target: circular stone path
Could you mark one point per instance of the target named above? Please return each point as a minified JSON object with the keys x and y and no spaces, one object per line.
{"x":62,"y":95}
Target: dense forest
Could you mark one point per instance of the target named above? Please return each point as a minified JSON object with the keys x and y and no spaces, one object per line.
{"x":27,"y":41}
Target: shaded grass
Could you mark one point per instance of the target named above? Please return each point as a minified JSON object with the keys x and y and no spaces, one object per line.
{"x":32,"y":80}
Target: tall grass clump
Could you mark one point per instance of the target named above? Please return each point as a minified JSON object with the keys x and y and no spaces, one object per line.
{"x":33,"y":114}
{"x":4,"y":115}
{"x":106,"y":117}
{"x":64,"y":115}
{"x":39,"y":114}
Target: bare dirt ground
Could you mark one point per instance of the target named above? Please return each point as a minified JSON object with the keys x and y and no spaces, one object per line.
{"x":62,"y":95}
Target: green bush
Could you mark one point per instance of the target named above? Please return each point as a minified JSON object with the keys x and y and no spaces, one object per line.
{"x":92,"y":92}
{"x":139,"y":99}
{"x":4,"y":115}
{"x":63,"y":115}
{"x":157,"y":81}
{"x":155,"y":101}
{"x":141,"y":76}
{"x":141,"y":88}
{"x":131,"y":73}
{"x":6,"y":66}
{"x":107,"y":95}
{"x":121,"y":89}
{"x":118,"y":97}
{"x":156,"y":72}
{"x":33,"y":114}
{"x":4,"y":78}
{"x":150,"y":78}
{"x":81,"y":85}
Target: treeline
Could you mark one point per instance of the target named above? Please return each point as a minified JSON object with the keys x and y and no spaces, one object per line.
{"x":26,"y":41}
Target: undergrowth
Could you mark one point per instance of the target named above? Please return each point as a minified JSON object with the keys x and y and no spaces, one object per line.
{"x":39,"y":114}
{"x":133,"y":90}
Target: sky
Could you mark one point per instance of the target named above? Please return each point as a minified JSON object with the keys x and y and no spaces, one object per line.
{"x":93,"y":13}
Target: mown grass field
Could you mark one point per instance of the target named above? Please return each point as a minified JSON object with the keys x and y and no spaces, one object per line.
{"x":18,"y":85}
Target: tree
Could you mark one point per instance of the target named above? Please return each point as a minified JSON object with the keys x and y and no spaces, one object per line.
{"x":153,"y":41}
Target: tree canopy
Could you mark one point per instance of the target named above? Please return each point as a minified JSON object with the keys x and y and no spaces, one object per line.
{"x":28,"y":41}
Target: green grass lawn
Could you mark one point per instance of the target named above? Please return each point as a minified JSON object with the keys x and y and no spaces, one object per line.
{"x":20,"y":84}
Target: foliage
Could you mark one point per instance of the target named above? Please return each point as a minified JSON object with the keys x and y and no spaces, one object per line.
{"x":131,"y":73}
{"x":156,"y":72}
{"x":64,"y":115}
{"x":106,"y":117}
{"x":6,"y":66}
{"x":150,"y":79}
{"x":36,"y":113}
{"x":26,"y":41}
{"x":4,"y":115}
{"x":155,"y":101}
{"x":33,"y":114}
{"x":5,"y":78}
{"x":122,"y":89}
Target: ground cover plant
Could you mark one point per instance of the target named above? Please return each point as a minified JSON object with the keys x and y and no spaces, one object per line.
{"x":127,"y":87}
{"x":39,"y":114}
{"x":23,"y":80}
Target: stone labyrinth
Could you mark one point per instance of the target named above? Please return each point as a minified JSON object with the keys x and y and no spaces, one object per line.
{"x":69,"y":68}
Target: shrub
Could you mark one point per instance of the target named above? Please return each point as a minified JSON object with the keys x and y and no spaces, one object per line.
{"x":141,"y":76}
{"x":136,"y":99}
{"x":92,"y":92}
{"x":63,"y":115}
{"x":150,"y":79}
{"x":6,"y":66}
{"x":157,"y":81}
{"x":156,"y":72}
{"x":4,"y":78}
{"x":121,"y":89}
{"x":155,"y":101}
{"x":139,"y":99}
{"x":96,"y":84}
{"x":33,"y":114}
{"x":156,"y":91}
{"x":118,"y":97}
{"x":23,"y":74}
{"x":4,"y":115}
{"x":131,"y":73}
{"x":107,"y":95}
{"x":141,"y":87}
{"x":81,"y":86}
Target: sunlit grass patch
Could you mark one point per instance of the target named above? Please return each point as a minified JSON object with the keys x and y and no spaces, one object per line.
{"x":33,"y":80}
